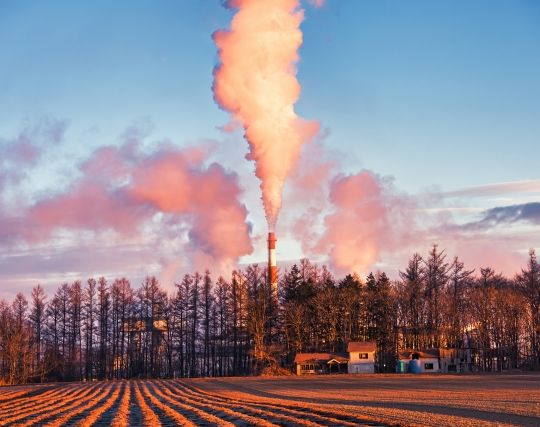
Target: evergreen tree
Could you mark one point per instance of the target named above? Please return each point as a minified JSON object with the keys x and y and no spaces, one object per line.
{"x":529,"y":283}
{"x":411,"y":301}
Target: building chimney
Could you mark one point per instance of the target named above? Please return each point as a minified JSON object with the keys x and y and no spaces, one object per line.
{"x":272,"y":265}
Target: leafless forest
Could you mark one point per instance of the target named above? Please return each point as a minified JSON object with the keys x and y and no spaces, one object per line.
{"x":103,"y":329}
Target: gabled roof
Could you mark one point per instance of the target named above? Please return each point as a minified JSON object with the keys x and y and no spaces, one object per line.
{"x":320,"y":357}
{"x":339,"y":359}
{"x":362,"y":346}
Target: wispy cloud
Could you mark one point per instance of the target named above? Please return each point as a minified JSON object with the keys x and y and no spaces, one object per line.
{"x":458,"y":209}
{"x":23,"y":151}
{"x":496,"y":189}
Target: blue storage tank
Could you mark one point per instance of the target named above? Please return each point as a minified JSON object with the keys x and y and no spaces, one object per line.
{"x":414,"y":366}
{"x":402,"y":367}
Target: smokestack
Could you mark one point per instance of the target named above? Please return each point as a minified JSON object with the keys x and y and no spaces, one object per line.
{"x":272,"y":265}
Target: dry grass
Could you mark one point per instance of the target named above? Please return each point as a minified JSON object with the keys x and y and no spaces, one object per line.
{"x":340,"y":400}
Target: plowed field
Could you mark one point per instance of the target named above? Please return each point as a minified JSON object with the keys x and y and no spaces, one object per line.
{"x":315,"y":401}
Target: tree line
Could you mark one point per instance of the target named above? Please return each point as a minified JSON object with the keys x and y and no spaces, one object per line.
{"x":104,"y":329}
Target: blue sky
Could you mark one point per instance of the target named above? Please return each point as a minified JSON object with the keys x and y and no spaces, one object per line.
{"x":424,"y":82}
{"x":441,"y":96}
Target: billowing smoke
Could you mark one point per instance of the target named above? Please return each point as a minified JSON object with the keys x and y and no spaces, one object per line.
{"x":256,"y":82}
{"x":367,"y":216}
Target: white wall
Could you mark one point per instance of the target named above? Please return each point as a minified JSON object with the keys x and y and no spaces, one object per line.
{"x":423,"y":362}
{"x":361,"y":366}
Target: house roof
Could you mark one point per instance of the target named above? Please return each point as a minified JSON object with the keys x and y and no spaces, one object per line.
{"x":431,"y":353}
{"x":362,"y":346}
{"x":320,"y":357}
{"x":339,"y":359}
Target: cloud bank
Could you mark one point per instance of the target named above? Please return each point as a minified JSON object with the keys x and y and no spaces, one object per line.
{"x":124,"y":190}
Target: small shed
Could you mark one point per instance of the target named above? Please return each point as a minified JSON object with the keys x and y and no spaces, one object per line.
{"x":361,"y":357}
{"x":320,"y":363}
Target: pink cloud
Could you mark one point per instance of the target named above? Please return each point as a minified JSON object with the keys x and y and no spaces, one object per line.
{"x":88,"y":205}
{"x":361,"y":222}
{"x":122,"y":189}
{"x":355,"y":230}
{"x":354,"y":220}
{"x":173,"y":183}
{"x":307,"y":193}
{"x":316,"y":166}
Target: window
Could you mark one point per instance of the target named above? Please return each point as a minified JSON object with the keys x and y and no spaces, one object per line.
{"x":428,"y":366}
{"x":310,"y":367}
{"x":363,"y":356}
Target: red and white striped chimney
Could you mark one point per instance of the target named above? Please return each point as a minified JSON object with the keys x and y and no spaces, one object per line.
{"x":272,"y":265}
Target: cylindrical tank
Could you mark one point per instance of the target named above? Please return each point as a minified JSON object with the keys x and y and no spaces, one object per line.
{"x":414,"y":366}
{"x":401,"y":367}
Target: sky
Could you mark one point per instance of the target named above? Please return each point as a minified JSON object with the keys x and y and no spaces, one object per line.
{"x":116,"y":159}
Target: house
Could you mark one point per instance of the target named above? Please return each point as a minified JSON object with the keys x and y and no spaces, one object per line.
{"x":418,"y":361}
{"x":443,"y":360}
{"x":320,"y":363}
{"x":361,"y":357}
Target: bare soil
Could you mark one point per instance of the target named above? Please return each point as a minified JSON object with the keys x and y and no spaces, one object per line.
{"x":337,"y":400}
{"x":430,"y":400}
